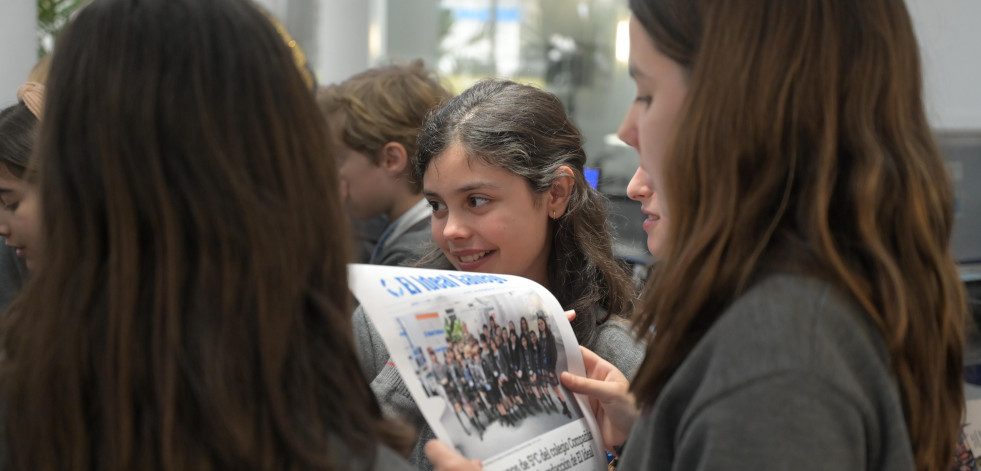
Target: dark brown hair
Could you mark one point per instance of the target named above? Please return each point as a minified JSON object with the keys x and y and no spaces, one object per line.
{"x":804,"y":138}
{"x":188,"y":311}
{"x":18,"y":135}
{"x":526,"y":131}
{"x":382,"y":105}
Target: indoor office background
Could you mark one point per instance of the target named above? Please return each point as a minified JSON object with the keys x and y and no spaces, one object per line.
{"x":577,"y":50}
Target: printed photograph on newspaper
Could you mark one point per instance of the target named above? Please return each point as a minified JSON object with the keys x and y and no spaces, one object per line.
{"x":481,"y":355}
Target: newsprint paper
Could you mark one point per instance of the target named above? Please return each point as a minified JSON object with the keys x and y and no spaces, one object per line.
{"x":481,"y":355}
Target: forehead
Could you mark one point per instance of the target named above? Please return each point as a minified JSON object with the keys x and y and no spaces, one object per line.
{"x":455,"y":170}
{"x":646,"y":61}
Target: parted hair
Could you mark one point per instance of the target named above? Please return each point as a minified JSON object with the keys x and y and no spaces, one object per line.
{"x":803,"y":143}
{"x":382,"y":105}
{"x":189,"y":309}
{"x":18,"y":135}
{"x":527,"y":131}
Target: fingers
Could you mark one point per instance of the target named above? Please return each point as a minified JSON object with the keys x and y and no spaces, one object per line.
{"x":445,"y":458}
{"x":570,"y":314}
{"x":605,"y":391}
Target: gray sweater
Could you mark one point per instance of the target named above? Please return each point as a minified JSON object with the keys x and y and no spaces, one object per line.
{"x":13,"y":273}
{"x":792,"y":376}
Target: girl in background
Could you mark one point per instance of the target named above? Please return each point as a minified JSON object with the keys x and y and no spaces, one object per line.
{"x":502,"y":168}
{"x":19,"y":218}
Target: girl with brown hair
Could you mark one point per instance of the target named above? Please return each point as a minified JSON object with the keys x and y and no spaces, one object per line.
{"x":502,"y":168}
{"x":808,"y":312}
{"x":189,"y":308}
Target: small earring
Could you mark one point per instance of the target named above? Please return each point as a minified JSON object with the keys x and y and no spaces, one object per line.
{"x":553,"y":215}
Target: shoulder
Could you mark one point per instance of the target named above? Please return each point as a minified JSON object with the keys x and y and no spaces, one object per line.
{"x":409,"y":247}
{"x":370,"y":348}
{"x":617,"y":344}
{"x":793,"y":365}
{"x":791,"y":321}
{"x":790,"y":341}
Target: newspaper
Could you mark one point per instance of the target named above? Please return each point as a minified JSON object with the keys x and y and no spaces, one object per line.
{"x":967,"y":452}
{"x":493,"y":394}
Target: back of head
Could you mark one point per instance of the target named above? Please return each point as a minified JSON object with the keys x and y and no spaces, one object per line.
{"x":188,"y":311}
{"x":526,"y":131}
{"x":19,"y":129}
{"x":803,"y":145}
{"x":383,"y":105}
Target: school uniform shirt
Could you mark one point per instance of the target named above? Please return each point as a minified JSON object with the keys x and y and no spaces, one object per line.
{"x":406,"y":239}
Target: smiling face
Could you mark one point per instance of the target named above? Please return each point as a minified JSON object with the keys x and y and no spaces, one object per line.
{"x":19,"y":216}
{"x":649,"y":127}
{"x":485,"y":218}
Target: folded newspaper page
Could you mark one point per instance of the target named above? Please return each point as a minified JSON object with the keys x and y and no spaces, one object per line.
{"x":967,"y":452}
{"x":481,"y":355}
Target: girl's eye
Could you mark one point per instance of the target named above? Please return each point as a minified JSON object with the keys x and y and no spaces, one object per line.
{"x":645,"y":99}
{"x":11,"y":206}
{"x":437,"y":206}
{"x":477,"y":201}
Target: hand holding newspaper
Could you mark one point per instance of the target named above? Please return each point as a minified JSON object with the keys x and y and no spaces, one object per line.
{"x":481,"y":355}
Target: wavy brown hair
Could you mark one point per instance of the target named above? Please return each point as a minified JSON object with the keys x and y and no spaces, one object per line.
{"x":526,"y":131}
{"x":382,"y":105}
{"x":804,"y":139}
{"x":189,"y":308}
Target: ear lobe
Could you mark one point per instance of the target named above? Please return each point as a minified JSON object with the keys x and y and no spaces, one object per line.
{"x":560,"y":192}
{"x":395,"y":158}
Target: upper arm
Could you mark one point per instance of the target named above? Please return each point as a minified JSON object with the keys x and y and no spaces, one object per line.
{"x":371,"y":350}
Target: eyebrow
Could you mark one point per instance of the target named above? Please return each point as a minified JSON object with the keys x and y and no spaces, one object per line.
{"x":465,"y":188}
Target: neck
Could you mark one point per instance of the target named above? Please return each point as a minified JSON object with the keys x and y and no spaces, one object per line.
{"x":403,"y":203}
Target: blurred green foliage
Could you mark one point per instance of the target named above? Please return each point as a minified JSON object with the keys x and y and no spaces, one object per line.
{"x":52,"y":15}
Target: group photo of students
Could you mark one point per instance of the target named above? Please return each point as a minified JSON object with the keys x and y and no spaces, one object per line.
{"x":495,"y":364}
{"x":182,"y":192}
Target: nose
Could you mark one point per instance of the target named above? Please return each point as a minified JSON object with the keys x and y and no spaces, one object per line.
{"x":456,"y":227}
{"x":639,"y":187}
{"x":628,"y":128}
{"x":4,"y":229}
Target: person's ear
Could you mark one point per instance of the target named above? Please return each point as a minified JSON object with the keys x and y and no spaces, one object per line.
{"x":394,"y":158}
{"x":557,"y":200}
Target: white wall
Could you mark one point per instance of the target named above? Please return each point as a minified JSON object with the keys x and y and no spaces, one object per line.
{"x":340,"y":37}
{"x":950,"y":41}
{"x":18,"y":46}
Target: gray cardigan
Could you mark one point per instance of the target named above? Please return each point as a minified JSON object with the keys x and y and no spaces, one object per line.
{"x":792,"y":376}
{"x":13,"y":273}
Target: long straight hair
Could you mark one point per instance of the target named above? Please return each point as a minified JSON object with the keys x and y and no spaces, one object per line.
{"x":189,"y":309}
{"x":804,"y":142}
{"x":526,"y":131}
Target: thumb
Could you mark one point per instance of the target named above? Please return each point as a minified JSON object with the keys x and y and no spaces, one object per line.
{"x":445,"y":458}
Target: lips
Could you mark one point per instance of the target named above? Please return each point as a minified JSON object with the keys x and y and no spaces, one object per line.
{"x":651,"y":220}
{"x":471,"y":260}
{"x":473,"y":257}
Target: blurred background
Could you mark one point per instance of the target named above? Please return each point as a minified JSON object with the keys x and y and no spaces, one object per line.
{"x":576,"y":49}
